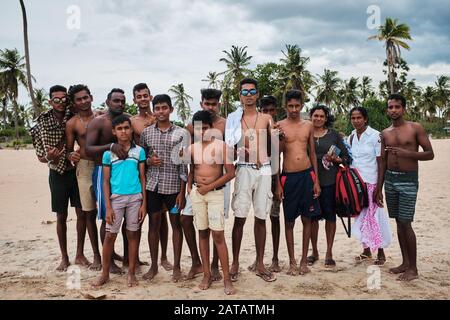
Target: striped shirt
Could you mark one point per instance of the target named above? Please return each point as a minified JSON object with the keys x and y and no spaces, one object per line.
{"x":166,"y":145}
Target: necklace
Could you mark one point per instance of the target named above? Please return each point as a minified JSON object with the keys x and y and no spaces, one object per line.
{"x":85,"y":123}
{"x":252,"y":137}
{"x":321,"y":136}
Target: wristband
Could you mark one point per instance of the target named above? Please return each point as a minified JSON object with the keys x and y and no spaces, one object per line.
{"x":48,"y":161}
{"x":110,"y":147}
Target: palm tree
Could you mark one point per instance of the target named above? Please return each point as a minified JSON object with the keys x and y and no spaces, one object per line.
{"x":12,"y":73}
{"x":41,"y":100}
{"x":393,"y":36}
{"x":4,"y":101}
{"x":410,"y":91}
{"x":442,"y":93}
{"x":327,"y":88}
{"x":181,"y":101}
{"x":366,"y":88}
{"x":27,"y":58}
{"x":428,"y":102}
{"x":237,"y":61}
{"x":349,"y":95}
{"x":213,"y":79}
{"x":293,"y":70}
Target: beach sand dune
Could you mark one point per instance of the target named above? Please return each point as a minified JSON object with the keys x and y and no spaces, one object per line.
{"x":29,"y":249}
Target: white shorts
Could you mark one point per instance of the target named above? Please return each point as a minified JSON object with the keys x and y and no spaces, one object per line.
{"x":252,"y":186}
{"x":187,"y":211}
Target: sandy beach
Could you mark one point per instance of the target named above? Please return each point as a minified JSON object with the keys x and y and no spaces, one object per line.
{"x":29,"y":249}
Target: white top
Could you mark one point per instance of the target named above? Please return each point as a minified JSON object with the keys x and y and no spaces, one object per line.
{"x":365,"y":151}
{"x":233,"y":129}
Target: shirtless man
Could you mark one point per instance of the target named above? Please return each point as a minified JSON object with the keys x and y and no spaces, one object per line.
{"x":142,"y":98}
{"x":250,"y":130}
{"x":399,"y":171}
{"x":81,"y":99}
{"x":206,"y":185}
{"x":211,"y":103}
{"x":99,"y":138}
{"x":299,"y":184}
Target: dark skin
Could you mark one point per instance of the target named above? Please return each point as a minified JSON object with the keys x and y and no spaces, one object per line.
{"x":400,"y":152}
{"x":162,"y":113}
{"x":359,"y":122}
{"x":98,"y":140}
{"x":76,"y":131}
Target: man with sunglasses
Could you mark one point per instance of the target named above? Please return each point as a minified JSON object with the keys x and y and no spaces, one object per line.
{"x":49,"y":141}
{"x":250,"y":131}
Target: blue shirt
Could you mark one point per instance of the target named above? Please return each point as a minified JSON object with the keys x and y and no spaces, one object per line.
{"x":125,"y":173}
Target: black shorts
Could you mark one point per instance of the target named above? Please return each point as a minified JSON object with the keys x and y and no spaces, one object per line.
{"x":157,"y":202}
{"x":62,"y":188}
{"x":327,"y":202}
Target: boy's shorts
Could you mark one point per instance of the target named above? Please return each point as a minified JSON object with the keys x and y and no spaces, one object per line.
{"x":401,"y":194}
{"x":252,"y":186}
{"x":125,"y":206}
{"x":97,"y":183}
{"x":84,"y":171}
{"x":208,"y":209}
{"x":299,"y":195}
{"x":157,"y":202}
{"x":187,"y":211}
{"x":62,"y":188}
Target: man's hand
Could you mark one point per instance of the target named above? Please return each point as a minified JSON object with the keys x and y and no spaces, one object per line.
{"x":119,"y":151}
{"x":279,"y":194}
{"x":53,"y":153}
{"x":317,"y":190}
{"x":378,"y":197}
{"x":333,"y":158}
{"x":154,"y":161}
{"x":142,"y":213}
{"x":399,"y":152}
{"x":278,"y":130}
{"x":203,"y":189}
{"x":74,"y":157}
{"x":110,"y":216}
{"x":180,"y":201}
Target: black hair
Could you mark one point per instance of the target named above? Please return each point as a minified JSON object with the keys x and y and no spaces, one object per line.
{"x":139,"y":87}
{"x":294,"y":94}
{"x":363,"y":111}
{"x":204,"y":116}
{"x":75,"y":89}
{"x":210,"y":94}
{"x":248,"y":80}
{"x":120,"y":119}
{"x":161,"y":98}
{"x":397,"y":96}
{"x":57,"y":88}
{"x":115,"y":90}
{"x":267,"y":101}
{"x":326,"y":110}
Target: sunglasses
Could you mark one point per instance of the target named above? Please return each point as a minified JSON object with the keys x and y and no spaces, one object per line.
{"x":246,"y":92}
{"x":59,"y":100}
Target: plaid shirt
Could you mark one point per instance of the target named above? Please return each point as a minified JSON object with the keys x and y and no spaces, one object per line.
{"x":49,"y":132}
{"x":165,"y":179}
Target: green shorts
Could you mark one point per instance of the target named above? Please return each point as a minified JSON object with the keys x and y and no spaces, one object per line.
{"x":401,"y":194}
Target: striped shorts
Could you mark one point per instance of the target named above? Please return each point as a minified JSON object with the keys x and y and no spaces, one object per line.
{"x":401,"y":194}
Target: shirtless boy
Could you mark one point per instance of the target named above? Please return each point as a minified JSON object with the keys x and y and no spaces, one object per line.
{"x":206,"y":185}
{"x":299,"y":184}
{"x":399,"y":172}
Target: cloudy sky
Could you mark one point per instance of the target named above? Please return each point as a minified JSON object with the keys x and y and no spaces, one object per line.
{"x":119,"y":43}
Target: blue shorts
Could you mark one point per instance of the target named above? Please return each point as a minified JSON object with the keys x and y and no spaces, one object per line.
{"x":327,"y":202}
{"x":299,"y":199}
{"x":97,"y":183}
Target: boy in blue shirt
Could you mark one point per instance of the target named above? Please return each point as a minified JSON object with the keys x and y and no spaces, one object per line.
{"x":124,"y":192}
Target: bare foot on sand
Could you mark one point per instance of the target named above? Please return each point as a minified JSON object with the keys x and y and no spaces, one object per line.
{"x":82,"y":261}
{"x":409,"y":275}
{"x":166,"y":265}
{"x":176,"y":275}
{"x":115,"y":269}
{"x":151,"y":273}
{"x":100,"y":281}
{"x":400,"y":269}
{"x":266,"y":275}
{"x":215,"y":274}
{"x":293,"y":270}
{"x":97,"y":264}
{"x":63,"y":265}
{"x":132,"y":281}
{"x":229,"y":288}
{"x":275,"y":267}
{"x":234,"y":272}
{"x":252,"y":267}
{"x":304,"y":268}
{"x":206,"y":283}
{"x":195,"y":270}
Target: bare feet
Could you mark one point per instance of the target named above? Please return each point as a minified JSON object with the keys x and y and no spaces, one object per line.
{"x":166,"y":265}
{"x":252,"y":268}
{"x":266,"y":275}
{"x":234,"y":272}
{"x":275,"y":267}
{"x":115,"y":269}
{"x":82,"y":261}
{"x":206,"y":282}
{"x":195,"y":270}
{"x":293,"y":270}
{"x":132,"y":281}
{"x":304,"y":268}
{"x":176,"y":275}
{"x":141,"y":263}
{"x":151,"y":273}
{"x":229,"y":288}
{"x":400,"y":269}
{"x":63,"y":265}
{"x":97,"y":264}
{"x":215,"y":274}
{"x":409,"y":275}
{"x":100,"y":281}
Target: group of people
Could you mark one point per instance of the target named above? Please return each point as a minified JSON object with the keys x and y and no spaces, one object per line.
{"x":122,"y":168}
